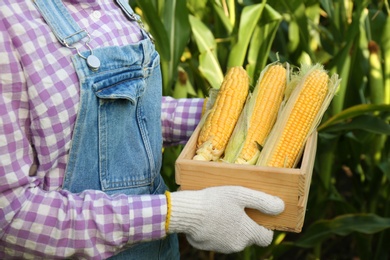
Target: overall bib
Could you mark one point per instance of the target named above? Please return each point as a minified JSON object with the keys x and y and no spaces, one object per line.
{"x":117,"y":140}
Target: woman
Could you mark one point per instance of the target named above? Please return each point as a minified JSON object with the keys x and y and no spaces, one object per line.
{"x":80,"y":143}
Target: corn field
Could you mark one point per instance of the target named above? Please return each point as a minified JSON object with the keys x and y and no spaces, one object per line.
{"x":348,"y":212}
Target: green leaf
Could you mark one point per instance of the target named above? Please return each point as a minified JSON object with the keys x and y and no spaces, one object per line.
{"x":351,"y":112}
{"x":342,"y":225}
{"x":342,"y":67}
{"x":224,"y":19}
{"x":261,"y":42}
{"x":208,"y":62}
{"x":156,"y":28}
{"x":299,"y":19}
{"x":385,"y":168}
{"x":293,"y":36}
{"x":249,"y":19}
{"x":367,"y":123}
{"x":178,"y":29}
{"x":197,"y":7}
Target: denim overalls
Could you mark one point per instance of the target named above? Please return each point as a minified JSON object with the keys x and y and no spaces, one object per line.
{"x":117,"y":141}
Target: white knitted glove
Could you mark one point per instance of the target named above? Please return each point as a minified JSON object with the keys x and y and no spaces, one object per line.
{"x":214,"y":218}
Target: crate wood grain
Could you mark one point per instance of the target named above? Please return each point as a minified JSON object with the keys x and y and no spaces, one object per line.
{"x":291,"y":185}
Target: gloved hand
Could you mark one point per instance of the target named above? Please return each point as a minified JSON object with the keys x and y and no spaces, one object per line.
{"x":214,"y":218}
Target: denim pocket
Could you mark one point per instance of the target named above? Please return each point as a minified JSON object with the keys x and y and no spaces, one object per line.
{"x":127,"y":85}
{"x":124,"y":160}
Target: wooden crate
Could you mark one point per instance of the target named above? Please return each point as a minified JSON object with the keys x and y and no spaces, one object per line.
{"x":291,"y":185}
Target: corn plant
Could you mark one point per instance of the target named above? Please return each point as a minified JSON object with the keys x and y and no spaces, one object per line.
{"x":348,"y":212}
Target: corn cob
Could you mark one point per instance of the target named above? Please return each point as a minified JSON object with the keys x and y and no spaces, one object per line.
{"x":260,"y":114}
{"x":299,"y":117}
{"x":221,"y":119}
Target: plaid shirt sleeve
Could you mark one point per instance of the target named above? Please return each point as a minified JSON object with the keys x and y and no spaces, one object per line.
{"x":179,"y":119}
{"x":39,"y":220}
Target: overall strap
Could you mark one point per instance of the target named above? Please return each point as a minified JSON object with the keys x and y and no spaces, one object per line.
{"x":60,"y":21}
{"x":124,"y":4}
{"x":68,"y":32}
{"x":126,"y":8}
{"x":65,"y":28}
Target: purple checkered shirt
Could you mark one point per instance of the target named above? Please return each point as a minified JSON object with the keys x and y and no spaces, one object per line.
{"x":37,"y":217}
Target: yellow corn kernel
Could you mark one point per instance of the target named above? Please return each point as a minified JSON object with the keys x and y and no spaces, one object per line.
{"x":267,"y":99}
{"x":298,"y":118}
{"x":221,"y":119}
